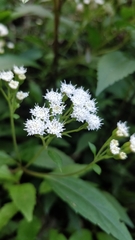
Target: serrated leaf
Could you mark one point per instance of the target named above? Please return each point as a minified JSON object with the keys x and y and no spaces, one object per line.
{"x":113,"y":67}
{"x":24,"y":197}
{"x":28,"y":230}
{"x":6,"y":213}
{"x":88,"y":201}
{"x":122,"y":212}
{"x":92,"y":148}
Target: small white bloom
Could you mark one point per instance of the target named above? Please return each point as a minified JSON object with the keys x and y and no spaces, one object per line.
{"x":114,"y":147}
{"x":94,"y":122}
{"x":68,"y":89}
{"x":19,"y":70}
{"x":21,"y":95}
{"x":13,"y":84}
{"x":86,"y":1}
{"x":80,"y":7}
{"x":132,"y":143}
{"x":35,"y":126}
{"x":90,"y":106}
{"x":80,"y":114}
{"x":56,"y":108}
{"x":80,"y":97}
{"x":10,"y":45}
{"x":122,"y":155}
{"x":3,"y":30}
{"x":55,"y":127}
{"x":24,"y":1}
{"x":99,"y":2}
{"x":122,"y":129}
{"x":6,"y":76}
{"x":40,"y":112}
{"x":53,"y":97}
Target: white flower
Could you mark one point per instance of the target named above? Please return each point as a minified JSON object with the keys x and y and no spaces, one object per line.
{"x":80,"y":97}
{"x":81,"y":114}
{"x":55,"y":127}
{"x":132,"y":143}
{"x":10,"y":45}
{"x":94,"y":122}
{"x":40,"y":112}
{"x":3,"y":30}
{"x":6,"y":76}
{"x":13,"y":84}
{"x":122,"y":155}
{"x":122,"y":129}
{"x":56,"y":108}
{"x":99,"y":2}
{"x":114,"y":147}
{"x":68,"y":89}
{"x":90,"y":106}
{"x":53,"y":97}
{"x":35,"y":126}
{"x":19,"y":70}
{"x":86,"y":1}
{"x":21,"y":95}
{"x":24,"y":1}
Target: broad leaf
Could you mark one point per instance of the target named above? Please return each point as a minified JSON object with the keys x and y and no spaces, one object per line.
{"x":28,"y":230}
{"x":113,"y":67}
{"x":104,"y":236}
{"x":55,"y":158}
{"x":6,"y":175}
{"x":24,"y":197}
{"x":82,"y":234}
{"x":6,"y":213}
{"x":5,"y":159}
{"x":85,"y":199}
{"x":92,"y":148}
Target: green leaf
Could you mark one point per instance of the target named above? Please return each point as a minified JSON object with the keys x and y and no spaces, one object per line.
{"x":55,"y":235}
{"x":92,"y":148}
{"x":24,"y":197}
{"x":6,"y":175}
{"x":35,"y":91}
{"x":82,"y":234}
{"x":82,"y":143}
{"x":104,"y":236}
{"x":88,"y":201}
{"x":6,"y":213}
{"x":75,"y":169}
{"x":8,"y":60}
{"x":97,"y":169}
{"x":55,"y":157}
{"x":5,"y":159}
{"x":113,"y":67}
{"x":28,"y":230}
{"x":122,"y":212}
{"x":44,"y":187}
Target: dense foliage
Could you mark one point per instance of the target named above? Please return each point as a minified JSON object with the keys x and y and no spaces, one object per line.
{"x":76,"y":182}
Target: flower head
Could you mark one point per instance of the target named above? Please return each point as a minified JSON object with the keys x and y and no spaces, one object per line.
{"x":3,"y":30}
{"x":122,"y":155}
{"x":20,"y":71}
{"x":132,"y":143}
{"x":21,"y":95}
{"x":55,"y":127}
{"x":40,"y":112}
{"x":122,"y":129}
{"x":53,"y":97}
{"x":6,"y":76}
{"x":13,"y":84}
{"x":94,"y":122}
{"x":67,"y":89}
{"x":114,"y":149}
{"x":80,"y":97}
{"x":35,"y":127}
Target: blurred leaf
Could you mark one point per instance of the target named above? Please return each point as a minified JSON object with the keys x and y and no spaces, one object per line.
{"x":75,"y":169}
{"x":28,"y":230}
{"x":5,"y":15}
{"x":49,"y":200}
{"x":44,"y":187}
{"x":122,"y":212}
{"x":6,"y":175}
{"x":92,"y":148}
{"x":81,"y":234}
{"x":5,"y":159}
{"x":82,"y":142}
{"x":7,"y":61}
{"x":97,"y":169}
{"x":35,"y":91}
{"x":6,"y":213}
{"x":113,"y":67}
{"x":55,"y":235}
{"x":55,"y":157}
{"x":127,"y":12}
{"x":85,"y":199}
{"x":104,"y":236}
{"x":24,"y":197}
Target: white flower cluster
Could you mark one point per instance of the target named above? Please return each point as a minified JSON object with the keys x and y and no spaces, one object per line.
{"x":115,"y":149}
{"x":122,"y":129}
{"x":3,"y":30}
{"x":8,"y":76}
{"x":132,"y":143}
{"x":53,"y":118}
